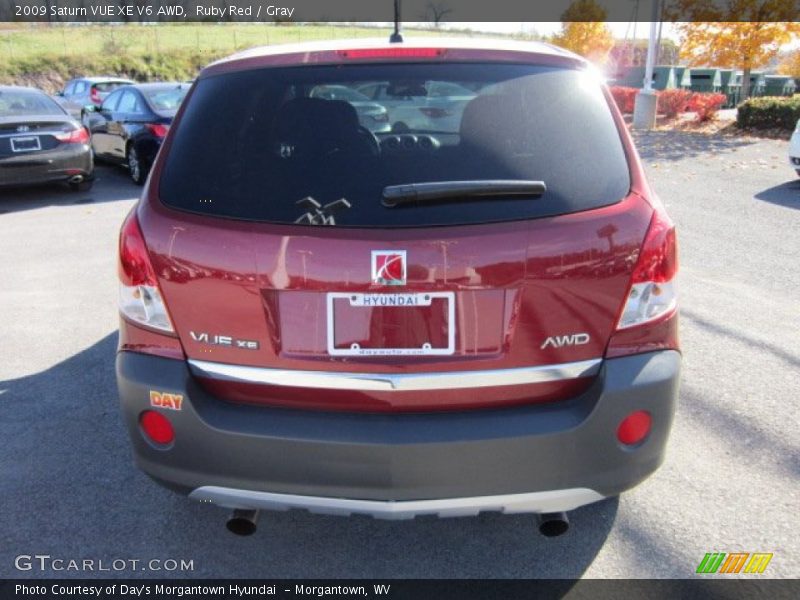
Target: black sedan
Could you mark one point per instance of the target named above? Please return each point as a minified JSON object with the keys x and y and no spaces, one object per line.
{"x":40,"y":142}
{"x":130,"y":124}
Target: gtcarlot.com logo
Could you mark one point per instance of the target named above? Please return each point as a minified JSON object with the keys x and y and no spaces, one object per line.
{"x":46,"y":562}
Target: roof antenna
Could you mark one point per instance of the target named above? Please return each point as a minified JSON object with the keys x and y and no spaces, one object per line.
{"x":396,"y":37}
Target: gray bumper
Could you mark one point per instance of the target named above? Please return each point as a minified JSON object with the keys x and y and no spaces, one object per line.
{"x":527,"y":459}
{"x":46,"y":167}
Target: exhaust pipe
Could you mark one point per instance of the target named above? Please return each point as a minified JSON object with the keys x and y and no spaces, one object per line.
{"x":553,"y":524}
{"x":75,"y":179}
{"x":243,"y":521}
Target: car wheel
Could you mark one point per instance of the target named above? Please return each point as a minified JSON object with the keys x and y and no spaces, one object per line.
{"x":798,"y":172}
{"x":83,"y":186}
{"x":137,"y":167}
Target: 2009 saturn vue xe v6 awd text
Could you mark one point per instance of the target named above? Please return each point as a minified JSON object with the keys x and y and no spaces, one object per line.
{"x":474,"y":316}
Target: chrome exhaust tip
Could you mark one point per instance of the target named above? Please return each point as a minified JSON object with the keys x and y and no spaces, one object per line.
{"x":75,"y":179}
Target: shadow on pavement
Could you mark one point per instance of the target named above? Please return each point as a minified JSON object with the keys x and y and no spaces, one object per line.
{"x":111,"y":184}
{"x":69,"y":489}
{"x":678,"y":145}
{"x":786,"y":194}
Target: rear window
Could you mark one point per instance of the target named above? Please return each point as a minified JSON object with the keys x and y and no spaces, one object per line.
{"x":15,"y":103}
{"x":105,"y":87}
{"x":166,"y":99}
{"x":259,"y":144}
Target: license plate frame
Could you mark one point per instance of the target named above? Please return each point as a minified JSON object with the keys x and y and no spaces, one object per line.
{"x":409,"y":300}
{"x":26,"y":138}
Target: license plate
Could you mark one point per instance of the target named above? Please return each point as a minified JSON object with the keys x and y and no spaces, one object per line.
{"x":409,"y":301}
{"x":29,"y":143}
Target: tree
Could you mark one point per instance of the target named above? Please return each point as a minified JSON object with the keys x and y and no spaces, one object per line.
{"x":584,"y":32}
{"x":742,"y":34}
{"x":436,"y":12}
{"x":790,"y":65}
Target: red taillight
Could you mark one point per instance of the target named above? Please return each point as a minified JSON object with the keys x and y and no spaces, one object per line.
{"x":648,"y":320}
{"x":156,"y":427}
{"x":658,"y":260}
{"x":367,"y":53}
{"x":651,"y":295}
{"x":94,"y":96}
{"x":157,"y":129}
{"x":77,"y":136}
{"x":634,"y":428}
{"x":435,"y":113}
{"x":134,"y":264}
{"x":140,"y":298}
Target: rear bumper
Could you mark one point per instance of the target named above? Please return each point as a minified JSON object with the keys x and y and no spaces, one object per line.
{"x":539,"y":458}
{"x":55,"y":165}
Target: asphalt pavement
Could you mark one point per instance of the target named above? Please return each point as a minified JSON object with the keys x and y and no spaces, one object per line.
{"x":69,"y":490}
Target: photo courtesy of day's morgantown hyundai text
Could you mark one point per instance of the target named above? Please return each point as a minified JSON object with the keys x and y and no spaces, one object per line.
{"x":467,"y":307}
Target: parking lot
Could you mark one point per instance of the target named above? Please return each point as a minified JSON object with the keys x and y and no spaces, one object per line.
{"x":729,"y":484}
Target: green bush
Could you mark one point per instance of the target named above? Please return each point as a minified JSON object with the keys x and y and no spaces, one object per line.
{"x":769,"y":112}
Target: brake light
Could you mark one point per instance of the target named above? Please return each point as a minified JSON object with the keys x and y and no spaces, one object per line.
{"x":652,"y":293}
{"x":158,"y":129}
{"x":94,"y":96}
{"x":76,"y":136}
{"x":139,"y":297}
{"x":367,"y":53}
{"x":156,"y":427}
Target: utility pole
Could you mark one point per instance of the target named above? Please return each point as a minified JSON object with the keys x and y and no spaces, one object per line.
{"x":646,"y":107}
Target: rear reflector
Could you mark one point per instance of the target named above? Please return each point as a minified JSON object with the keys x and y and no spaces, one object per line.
{"x":156,"y":427}
{"x":367,"y":53}
{"x":652,"y":293}
{"x":634,"y":428}
{"x":76,"y":136}
{"x":139,"y":297}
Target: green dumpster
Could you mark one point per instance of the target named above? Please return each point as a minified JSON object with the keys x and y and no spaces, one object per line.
{"x":706,"y":80}
{"x":779,"y":85}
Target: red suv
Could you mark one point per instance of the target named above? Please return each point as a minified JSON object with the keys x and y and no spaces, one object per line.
{"x":476,"y":313}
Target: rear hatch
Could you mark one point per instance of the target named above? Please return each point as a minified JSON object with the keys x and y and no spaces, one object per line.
{"x":291,"y":240}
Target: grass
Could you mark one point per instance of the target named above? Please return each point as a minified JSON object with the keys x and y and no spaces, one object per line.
{"x":46,"y":56}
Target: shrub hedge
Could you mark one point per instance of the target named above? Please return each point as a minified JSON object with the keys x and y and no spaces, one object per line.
{"x":769,"y":112}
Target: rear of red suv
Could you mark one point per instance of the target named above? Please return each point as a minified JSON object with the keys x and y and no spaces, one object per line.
{"x":475,"y":317}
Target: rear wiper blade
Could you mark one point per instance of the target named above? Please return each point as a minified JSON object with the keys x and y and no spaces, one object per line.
{"x":409,"y":193}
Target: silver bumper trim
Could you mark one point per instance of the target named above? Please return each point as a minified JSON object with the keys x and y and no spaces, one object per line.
{"x":534,"y":502}
{"x":386,"y":382}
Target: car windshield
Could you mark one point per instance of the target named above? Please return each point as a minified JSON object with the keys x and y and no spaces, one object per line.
{"x":166,"y":99}
{"x":21,"y":102}
{"x":257,"y":144}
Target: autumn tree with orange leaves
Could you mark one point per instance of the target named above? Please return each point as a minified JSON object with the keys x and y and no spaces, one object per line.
{"x":743,"y":34}
{"x":584,"y":32}
{"x":790,"y":65}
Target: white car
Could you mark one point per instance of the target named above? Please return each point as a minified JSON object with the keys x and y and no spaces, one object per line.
{"x":794,"y":149}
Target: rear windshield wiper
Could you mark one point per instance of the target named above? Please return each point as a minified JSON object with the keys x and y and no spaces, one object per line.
{"x":409,"y":193}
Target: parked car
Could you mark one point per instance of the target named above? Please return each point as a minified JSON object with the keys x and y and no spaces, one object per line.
{"x":371,"y":115}
{"x":312,"y":321}
{"x":40,"y":142}
{"x":87,"y":91}
{"x":130,"y":124}
{"x":794,"y":149}
{"x":421,"y":106}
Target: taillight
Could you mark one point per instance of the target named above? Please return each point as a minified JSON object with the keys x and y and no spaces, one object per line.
{"x":76,"y":136}
{"x":157,"y":129}
{"x":652,"y":293}
{"x":94,"y":96}
{"x":366,"y":53}
{"x":435,"y":113}
{"x":139,"y":297}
